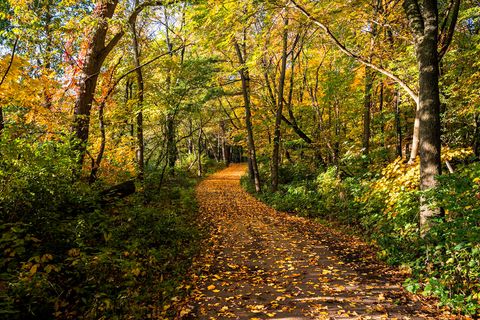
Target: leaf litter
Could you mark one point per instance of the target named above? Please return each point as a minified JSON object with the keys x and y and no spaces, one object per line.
{"x":259,"y":263}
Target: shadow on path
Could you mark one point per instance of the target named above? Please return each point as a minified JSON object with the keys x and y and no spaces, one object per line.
{"x":265,"y":264}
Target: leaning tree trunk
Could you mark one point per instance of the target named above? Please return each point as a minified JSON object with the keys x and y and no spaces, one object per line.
{"x":423,"y":21}
{"x":415,"y":136}
{"x":95,"y":55}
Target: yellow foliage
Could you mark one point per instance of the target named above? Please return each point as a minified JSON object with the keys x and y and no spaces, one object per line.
{"x":29,"y":94}
{"x":400,"y":176}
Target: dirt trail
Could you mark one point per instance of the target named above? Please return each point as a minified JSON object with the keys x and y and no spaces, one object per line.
{"x":265,"y":264}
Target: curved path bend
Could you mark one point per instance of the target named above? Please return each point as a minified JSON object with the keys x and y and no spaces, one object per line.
{"x":265,"y":264}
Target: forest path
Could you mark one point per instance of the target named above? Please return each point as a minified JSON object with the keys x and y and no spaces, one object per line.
{"x":265,"y":264}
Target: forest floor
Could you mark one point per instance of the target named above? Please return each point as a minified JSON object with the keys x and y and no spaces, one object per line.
{"x":265,"y":264}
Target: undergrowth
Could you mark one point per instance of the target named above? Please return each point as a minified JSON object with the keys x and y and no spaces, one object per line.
{"x":382,"y":207}
{"x":66,"y":257}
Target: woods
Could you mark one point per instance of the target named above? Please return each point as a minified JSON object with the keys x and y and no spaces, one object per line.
{"x":363,"y":115}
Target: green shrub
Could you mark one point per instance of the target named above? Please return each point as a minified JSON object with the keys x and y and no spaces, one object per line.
{"x":384,"y":208}
{"x":65,"y":257}
{"x":452,"y":256}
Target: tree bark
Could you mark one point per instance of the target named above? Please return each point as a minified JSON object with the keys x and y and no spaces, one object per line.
{"x":103,"y":141}
{"x":381,"y":102}
{"x":245,"y":77}
{"x":140,"y":98}
{"x":172,"y":151}
{"x":397,"y":122}
{"x":367,"y":107}
{"x":423,"y":21}
{"x":278,"y":117}
{"x":199,"y":151}
{"x":415,"y":137}
{"x":225,"y":147}
{"x":95,"y":55}
{"x":476,"y":142}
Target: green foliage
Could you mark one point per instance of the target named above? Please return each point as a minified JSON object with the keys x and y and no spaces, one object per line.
{"x":38,"y":182}
{"x":452,"y":256}
{"x":65,"y":257}
{"x":446,"y":263}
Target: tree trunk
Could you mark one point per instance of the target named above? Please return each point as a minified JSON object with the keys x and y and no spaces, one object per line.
{"x":2,"y":121}
{"x":172,"y":151}
{"x":336,"y":144}
{"x":476,"y":142}
{"x":140,"y":98}
{"x":423,"y":20}
{"x":415,"y":137}
{"x":245,"y":77}
{"x":367,"y":107}
{"x":397,"y":122}
{"x":278,"y":117}
{"x":381,"y":99}
{"x":103,"y":141}
{"x":171,"y":143}
{"x":132,"y":125}
{"x":95,"y":55}
{"x":199,"y":151}
{"x":224,"y":146}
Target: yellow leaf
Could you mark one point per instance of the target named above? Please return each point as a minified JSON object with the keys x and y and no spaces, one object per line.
{"x":185,"y":312}
{"x":136,"y":272}
{"x":211,"y":287}
{"x":34,"y":268}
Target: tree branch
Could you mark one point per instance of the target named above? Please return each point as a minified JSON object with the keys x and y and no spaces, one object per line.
{"x":132,"y":18}
{"x":447,"y":34}
{"x":10,"y":62}
{"x":355,"y":56}
{"x":148,"y":62}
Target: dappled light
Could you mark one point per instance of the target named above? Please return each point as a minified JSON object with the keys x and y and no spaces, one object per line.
{"x":239,"y":159}
{"x":263,"y":263}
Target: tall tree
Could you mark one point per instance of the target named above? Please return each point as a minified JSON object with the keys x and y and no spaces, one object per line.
{"x":140,"y":99}
{"x":280,"y":101}
{"x":95,"y":54}
{"x":423,"y":21}
{"x":96,"y":51}
{"x":245,"y":78}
